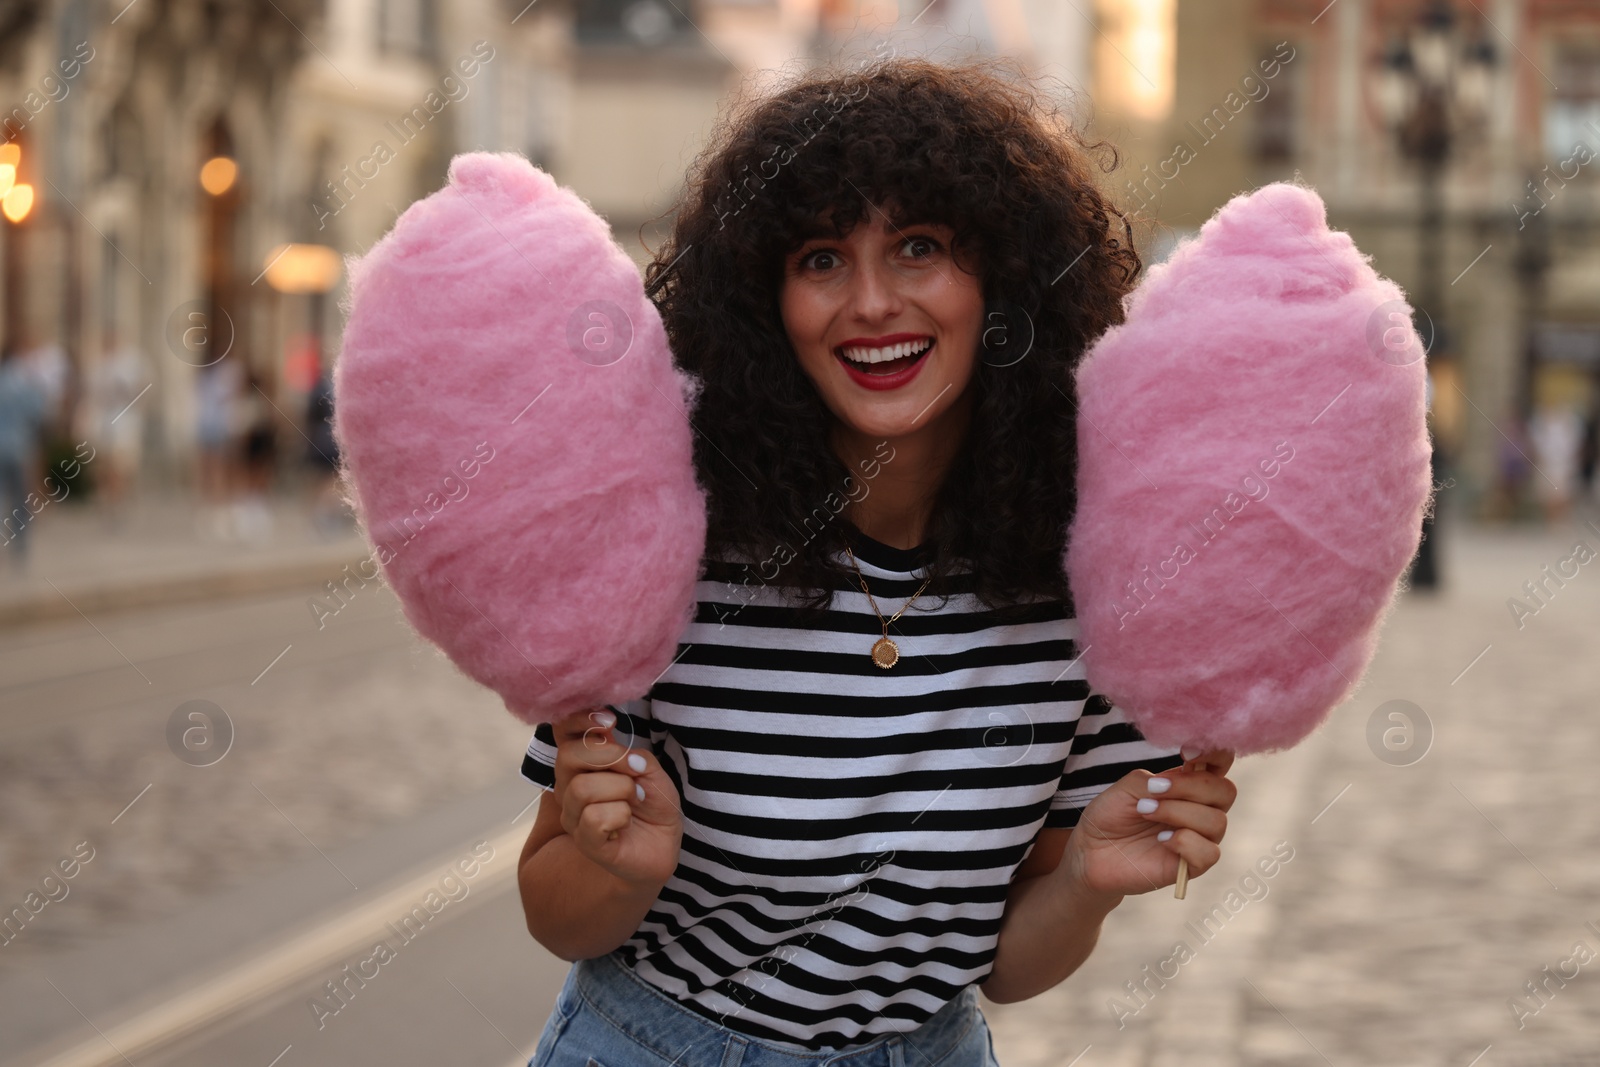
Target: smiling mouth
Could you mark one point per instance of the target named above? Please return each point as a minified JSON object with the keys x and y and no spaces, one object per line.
{"x":889,"y":359}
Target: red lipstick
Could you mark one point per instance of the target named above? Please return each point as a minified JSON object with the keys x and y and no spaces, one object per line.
{"x":892,"y":380}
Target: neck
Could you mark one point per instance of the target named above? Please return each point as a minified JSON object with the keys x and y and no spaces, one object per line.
{"x":899,"y":500}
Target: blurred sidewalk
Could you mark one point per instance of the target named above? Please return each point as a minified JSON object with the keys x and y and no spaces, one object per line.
{"x":164,"y":550}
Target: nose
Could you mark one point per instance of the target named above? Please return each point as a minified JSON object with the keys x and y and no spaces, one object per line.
{"x":874,"y":294}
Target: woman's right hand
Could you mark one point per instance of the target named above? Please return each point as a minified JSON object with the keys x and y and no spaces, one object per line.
{"x":617,"y":804}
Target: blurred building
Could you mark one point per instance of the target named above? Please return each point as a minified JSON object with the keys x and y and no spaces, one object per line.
{"x":188,"y":174}
{"x":1458,"y":143}
{"x":198,"y":169}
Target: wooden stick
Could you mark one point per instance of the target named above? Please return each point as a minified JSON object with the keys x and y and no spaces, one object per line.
{"x":1182,"y":885}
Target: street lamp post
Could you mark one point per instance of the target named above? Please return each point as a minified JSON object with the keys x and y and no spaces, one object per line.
{"x":1433,"y":86}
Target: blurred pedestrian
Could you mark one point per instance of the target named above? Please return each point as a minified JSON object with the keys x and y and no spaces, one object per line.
{"x":258,"y":452}
{"x":216,"y":426}
{"x":22,"y":415}
{"x":1512,"y":465}
{"x":47,"y":363}
{"x":328,"y":513}
{"x":111,"y":417}
{"x":1556,"y":432}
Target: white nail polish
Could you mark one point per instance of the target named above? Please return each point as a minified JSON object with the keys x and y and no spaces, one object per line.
{"x":636,"y":761}
{"x":1159,"y":785}
{"x":1191,"y":751}
{"x":1165,"y":835}
{"x":638,"y":790}
{"x":1146,"y":806}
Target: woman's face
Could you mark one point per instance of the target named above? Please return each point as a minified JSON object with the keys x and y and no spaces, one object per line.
{"x":885,"y":323}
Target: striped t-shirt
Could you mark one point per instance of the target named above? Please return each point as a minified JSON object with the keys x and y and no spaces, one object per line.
{"x":849,"y":832}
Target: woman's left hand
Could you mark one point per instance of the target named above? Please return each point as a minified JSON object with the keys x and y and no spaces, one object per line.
{"x":1116,"y":849}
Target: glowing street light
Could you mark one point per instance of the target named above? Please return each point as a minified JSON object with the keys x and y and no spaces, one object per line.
{"x":10,"y":160}
{"x":304,"y":268}
{"x":218,"y":175}
{"x":16,"y":200}
{"x":17,"y":203}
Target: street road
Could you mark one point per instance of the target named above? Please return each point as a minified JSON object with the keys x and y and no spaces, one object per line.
{"x":1428,"y":859}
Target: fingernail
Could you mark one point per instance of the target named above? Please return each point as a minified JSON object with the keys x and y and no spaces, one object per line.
{"x":1165,"y":835}
{"x":1191,"y":751}
{"x":636,"y":761}
{"x":1159,"y":785}
{"x":605,"y":718}
{"x":1146,"y":806}
{"x":638,"y":790}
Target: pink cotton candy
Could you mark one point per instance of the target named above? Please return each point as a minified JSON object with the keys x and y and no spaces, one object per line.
{"x":516,"y":441}
{"x":1253,"y":474}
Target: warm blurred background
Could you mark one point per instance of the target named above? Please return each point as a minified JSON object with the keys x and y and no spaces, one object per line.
{"x":204,"y":693}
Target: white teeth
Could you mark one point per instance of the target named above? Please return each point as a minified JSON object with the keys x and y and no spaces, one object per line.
{"x":883,"y":355}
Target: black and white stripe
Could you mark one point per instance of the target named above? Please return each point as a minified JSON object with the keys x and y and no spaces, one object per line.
{"x":850,"y":832}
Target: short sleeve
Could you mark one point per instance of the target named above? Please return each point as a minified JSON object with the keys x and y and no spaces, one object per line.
{"x":1105,"y":746}
{"x":539,"y":761}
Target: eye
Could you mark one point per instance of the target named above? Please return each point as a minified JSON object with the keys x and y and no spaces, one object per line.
{"x":930,"y":244}
{"x":810,"y":261}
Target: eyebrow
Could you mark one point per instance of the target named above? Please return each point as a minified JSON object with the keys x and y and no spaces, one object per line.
{"x":821,"y":232}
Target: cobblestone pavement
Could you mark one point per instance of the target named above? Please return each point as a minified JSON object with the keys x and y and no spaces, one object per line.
{"x":1417,"y":901}
{"x":165,"y":532}
{"x":1422,"y":894}
{"x":336,"y":732}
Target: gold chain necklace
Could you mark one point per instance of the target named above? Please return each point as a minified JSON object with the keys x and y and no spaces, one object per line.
{"x":885,"y":653}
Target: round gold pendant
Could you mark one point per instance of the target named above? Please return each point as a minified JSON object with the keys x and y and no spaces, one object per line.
{"x":885,"y":653}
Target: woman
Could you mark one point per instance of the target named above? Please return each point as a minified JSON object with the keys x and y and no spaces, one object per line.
{"x":874,"y":780}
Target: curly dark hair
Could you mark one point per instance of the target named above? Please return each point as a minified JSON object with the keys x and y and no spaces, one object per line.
{"x":972,"y":145}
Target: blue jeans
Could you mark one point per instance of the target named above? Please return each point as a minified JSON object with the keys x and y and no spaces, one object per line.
{"x":607,"y":1016}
